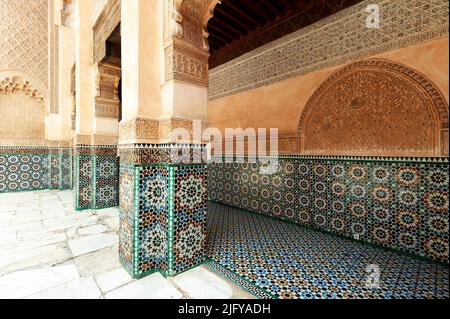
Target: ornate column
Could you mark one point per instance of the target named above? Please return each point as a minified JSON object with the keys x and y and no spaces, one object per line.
{"x":163,"y":193}
{"x":95,"y":155}
{"x":58,"y":133}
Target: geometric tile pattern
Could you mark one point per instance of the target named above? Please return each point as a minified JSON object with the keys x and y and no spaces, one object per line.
{"x":55,"y":172}
{"x":400,"y":204}
{"x":287,"y":261}
{"x":96,"y":177}
{"x":106,"y":181}
{"x":152,"y":217}
{"x":189,"y":217}
{"x":26,"y":171}
{"x":23,"y":172}
{"x":84,"y":182}
{"x":126,"y":217}
{"x":66,"y":171}
{"x":162,"y":218}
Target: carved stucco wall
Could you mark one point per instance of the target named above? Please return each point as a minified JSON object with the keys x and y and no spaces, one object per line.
{"x":375,"y":107}
{"x":338,"y":39}
{"x":270,"y":87}
{"x":23,"y":37}
{"x":23,"y":56}
{"x":14,"y":129}
{"x":281,"y":104}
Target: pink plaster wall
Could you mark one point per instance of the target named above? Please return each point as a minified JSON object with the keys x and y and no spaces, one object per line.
{"x":280,"y":105}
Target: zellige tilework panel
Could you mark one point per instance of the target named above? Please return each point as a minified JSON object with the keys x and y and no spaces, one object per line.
{"x":162,"y":218}
{"x":189,"y":217}
{"x":126,"y":217}
{"x":84,"y":182}
{"x":106,"y":181}
{"x":273,"y":258}
{"x":96,"y":181}
{"x":33,"y":169}
{"x":55,"y":170}
{"x":398,"y":204}
{"x":66,"y":171}
{"x":152,"y":214}
{"x":23,"y":172}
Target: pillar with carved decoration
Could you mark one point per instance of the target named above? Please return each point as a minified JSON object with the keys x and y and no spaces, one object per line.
{"x":163,"y":186}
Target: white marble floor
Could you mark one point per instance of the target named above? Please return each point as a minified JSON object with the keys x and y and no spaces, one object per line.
{"x":48,"y":250}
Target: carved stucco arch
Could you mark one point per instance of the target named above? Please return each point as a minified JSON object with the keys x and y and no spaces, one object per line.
{"x":191,"y":19}
{"x":14,"y":80}
{"x":367,"y":108}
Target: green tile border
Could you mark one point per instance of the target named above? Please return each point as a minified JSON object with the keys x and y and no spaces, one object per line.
{"x":170,"y":221}
{"x":135,"y":261}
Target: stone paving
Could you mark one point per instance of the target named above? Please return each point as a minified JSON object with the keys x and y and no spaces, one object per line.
{"x":48,"y":250}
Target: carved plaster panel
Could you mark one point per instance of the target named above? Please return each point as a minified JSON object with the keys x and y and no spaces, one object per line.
{"x":107,"y":101}
{"x":187,"y":64}
{"x":338,"y":39}
{"x":155,"y":131}
{"x":24,"y":38}
{"x":375,"y":107}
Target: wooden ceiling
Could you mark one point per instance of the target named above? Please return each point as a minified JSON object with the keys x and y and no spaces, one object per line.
{"x":239,"y":26}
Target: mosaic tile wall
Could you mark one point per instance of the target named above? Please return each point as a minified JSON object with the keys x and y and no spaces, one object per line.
{"x":275,"y":259}
{"x":96,"y":177}
{"x":162,"y":218}
{"x":396,"y":203}
{"x":34,"y":168}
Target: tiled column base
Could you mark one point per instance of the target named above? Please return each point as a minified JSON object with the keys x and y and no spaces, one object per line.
{"x":162,"y":217}
{"x":28,"y":168}
{"x":96,"y":177}
{"x":60,"y":168}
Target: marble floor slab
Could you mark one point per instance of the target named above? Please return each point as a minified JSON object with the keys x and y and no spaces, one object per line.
{"x":50,"y":251}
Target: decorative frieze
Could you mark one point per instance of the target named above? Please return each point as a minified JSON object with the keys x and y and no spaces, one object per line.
{"x":371,"y":107}
{"x":156,"y":131}
{"x":150,"y":154}
{"x":338,"y":39}
{"x":16,"y":83}
{"x":186,"y":63}
{"x":107,"y":101}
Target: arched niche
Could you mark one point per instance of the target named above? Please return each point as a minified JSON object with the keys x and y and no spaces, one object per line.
{"x":22,"y":107}
{"x":375,"y":108}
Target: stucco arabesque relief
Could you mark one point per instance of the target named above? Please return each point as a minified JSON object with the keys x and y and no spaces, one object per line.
{"x":336,"y":40}
{"x":375,"y":107}
{"x":107,"y":101}
{"x":186,"y":59}
{"x":187,"y":49}
{"x":10,"y":85}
